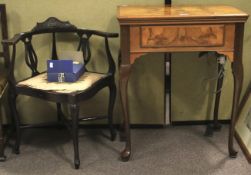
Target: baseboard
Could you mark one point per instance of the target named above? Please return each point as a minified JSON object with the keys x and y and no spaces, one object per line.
{"x":94,"y":126}
{"x":200,"y":122}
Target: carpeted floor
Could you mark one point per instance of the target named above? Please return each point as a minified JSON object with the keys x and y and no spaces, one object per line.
{"x":179,"y":150}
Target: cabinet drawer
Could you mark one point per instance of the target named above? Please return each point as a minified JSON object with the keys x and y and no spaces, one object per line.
{"x":182,"y":36}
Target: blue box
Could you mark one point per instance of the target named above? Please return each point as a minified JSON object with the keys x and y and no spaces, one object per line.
{"x":64,"y":70}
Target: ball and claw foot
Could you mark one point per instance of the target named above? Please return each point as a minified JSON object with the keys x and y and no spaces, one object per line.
{"x":125,"y":155}
{"x":77,"y":164}
{"x":2,"y":158}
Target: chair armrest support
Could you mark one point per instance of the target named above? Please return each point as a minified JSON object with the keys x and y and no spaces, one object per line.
{"x":112,"y":67}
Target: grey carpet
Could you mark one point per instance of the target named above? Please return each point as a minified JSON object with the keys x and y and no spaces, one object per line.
{"x":180,"y":150}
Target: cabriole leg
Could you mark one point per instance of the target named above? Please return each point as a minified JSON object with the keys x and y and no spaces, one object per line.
{"x":216,"y":126}
{"x":112,"y":96}
{"x":123,"y":83}
{"x":237,"y":69}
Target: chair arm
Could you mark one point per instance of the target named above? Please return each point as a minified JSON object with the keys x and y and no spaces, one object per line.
{"x":14,"y":39}
{"x":100,"y":33}
{"x":106,"y":34}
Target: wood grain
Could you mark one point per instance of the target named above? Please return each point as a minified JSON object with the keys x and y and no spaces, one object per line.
{"x":194,"y":28}
{"x":178,"y":11}
{"x":182,"y":36}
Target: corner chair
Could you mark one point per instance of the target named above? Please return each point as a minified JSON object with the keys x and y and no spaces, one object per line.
{"x":68,"y":93}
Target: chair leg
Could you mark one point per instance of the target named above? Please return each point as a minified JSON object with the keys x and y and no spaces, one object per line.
{"x":112,"y":89}
{"x":2,"y":156}
{"x":74,"y":111}
{"x":16,"y":120}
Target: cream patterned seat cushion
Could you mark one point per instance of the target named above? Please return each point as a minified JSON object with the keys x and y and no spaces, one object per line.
{"x":40,"y":82}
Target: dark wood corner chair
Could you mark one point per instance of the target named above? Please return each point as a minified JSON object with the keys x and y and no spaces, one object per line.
{"x":68,"y":93}
{"x":3,"y":72}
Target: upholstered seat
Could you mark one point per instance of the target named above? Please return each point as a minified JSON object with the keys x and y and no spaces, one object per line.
{"x":87,"y":80}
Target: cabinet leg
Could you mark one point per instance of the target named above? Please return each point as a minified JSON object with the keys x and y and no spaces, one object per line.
{"x":123,"y":83}
{"x":237,"y":69}
{"x":216,"y":126}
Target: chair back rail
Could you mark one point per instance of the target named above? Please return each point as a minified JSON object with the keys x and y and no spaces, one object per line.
{"x":55,"y":26}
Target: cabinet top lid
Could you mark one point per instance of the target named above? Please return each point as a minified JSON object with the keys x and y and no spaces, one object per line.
{"x":126,"y":12}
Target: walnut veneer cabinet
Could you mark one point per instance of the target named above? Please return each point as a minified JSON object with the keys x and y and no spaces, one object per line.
{"x":148,"y":29}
